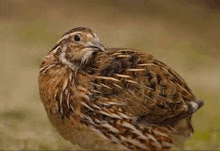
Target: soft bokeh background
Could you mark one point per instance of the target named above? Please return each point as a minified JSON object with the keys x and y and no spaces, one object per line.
{"x":185,"y":34}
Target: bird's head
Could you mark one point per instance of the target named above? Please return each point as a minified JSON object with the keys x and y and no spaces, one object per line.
{"x":77,"y":47}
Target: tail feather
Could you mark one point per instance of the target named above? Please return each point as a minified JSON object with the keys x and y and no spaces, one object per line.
{"x":193,"y":106}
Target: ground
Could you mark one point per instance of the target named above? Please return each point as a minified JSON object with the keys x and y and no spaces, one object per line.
{"x":184,"y":34}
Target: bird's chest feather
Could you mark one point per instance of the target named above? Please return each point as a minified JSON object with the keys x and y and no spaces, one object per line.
{"x":60,"y":89}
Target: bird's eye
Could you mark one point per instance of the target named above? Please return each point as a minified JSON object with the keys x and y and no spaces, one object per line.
{"x":77,"y":38}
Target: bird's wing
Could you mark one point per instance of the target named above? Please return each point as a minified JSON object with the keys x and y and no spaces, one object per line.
{"x":149,"y":89}
{"x":104,"y":110}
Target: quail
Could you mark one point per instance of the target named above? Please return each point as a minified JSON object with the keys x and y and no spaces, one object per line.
{"x":114,"y":98}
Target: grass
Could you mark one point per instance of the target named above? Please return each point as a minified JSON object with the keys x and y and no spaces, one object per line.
{"x":182,"y":36}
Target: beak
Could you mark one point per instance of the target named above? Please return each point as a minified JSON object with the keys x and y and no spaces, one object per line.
{"x":97,"y":46}
{"x":100,"y":46}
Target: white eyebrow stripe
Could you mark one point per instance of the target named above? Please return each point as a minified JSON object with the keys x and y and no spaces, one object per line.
{"x":67,"y":36}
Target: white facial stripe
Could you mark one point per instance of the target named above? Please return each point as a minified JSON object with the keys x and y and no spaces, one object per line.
{"x":67,"y":36}
{"x":64,"y":60}
{"x":90,"y":36}
{"x":55,"y":50}
{"x":87,"y":56}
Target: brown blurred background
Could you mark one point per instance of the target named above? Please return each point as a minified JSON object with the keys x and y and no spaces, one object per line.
{"x":185,"y":34}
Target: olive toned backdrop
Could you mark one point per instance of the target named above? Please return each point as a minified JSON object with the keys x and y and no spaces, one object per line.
{"x":184,"y":34}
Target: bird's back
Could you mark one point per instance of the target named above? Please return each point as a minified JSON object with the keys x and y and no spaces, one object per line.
{"x":150,"y":88}
{"x":137,"y":101}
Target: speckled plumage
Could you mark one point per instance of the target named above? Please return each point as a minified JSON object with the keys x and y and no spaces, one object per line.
{"x":113,"y":98}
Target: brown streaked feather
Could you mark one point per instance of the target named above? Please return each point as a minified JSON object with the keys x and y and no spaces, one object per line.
{"x":162,"y":95}
{"x":119,"y":99}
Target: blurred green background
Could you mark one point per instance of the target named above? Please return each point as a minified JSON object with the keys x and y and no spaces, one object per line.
{"x":184,"y":34}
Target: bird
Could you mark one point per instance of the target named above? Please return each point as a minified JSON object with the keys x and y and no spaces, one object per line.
{"x":114,"y":98}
